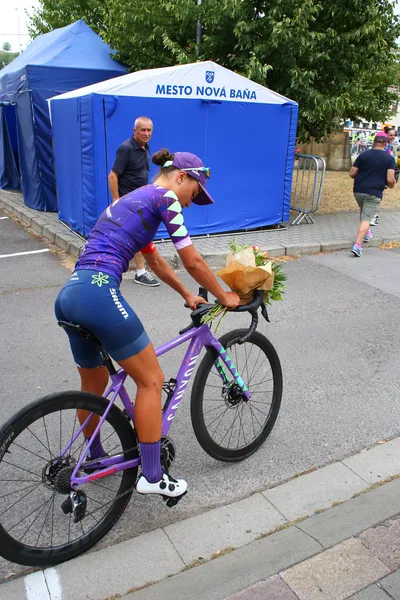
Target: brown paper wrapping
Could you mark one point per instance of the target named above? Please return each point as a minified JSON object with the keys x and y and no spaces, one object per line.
{"x":243,"y":277}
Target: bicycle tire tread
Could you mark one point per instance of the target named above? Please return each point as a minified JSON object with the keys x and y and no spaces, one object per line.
{"x":16,"y":552}
{"x":197,"y":417}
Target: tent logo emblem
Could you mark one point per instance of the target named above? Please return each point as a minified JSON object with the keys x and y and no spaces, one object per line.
{"x":210,"y":76}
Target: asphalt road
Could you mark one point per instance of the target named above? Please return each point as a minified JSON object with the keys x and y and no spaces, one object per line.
{"x":336,"y":334}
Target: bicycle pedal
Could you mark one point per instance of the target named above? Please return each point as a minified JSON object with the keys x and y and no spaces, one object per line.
{"x":170,"y":502}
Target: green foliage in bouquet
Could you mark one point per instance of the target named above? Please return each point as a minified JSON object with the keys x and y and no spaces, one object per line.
{"x":261,"y":259}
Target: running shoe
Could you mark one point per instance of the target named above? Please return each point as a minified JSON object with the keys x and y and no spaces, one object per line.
{"x":368,"y":236}
{"x":357,"y":250}
{"x":147,"y":280}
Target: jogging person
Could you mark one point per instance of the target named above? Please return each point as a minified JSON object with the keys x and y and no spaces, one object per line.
{"x":92,"y":298}
{"x":372,"y":172}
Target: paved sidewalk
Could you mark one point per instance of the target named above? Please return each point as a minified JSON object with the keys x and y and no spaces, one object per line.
{"x":267,"y":541}
{"x":329,"y":232}
{"x":363,"y":567}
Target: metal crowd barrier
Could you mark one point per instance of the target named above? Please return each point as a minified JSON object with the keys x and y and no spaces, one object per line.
{"x":308,"y":177}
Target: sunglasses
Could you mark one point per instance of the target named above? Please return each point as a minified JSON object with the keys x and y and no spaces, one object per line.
{"x":205,"y":170}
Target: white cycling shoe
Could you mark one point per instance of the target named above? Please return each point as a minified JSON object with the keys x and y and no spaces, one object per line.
{"x":166,"y":487}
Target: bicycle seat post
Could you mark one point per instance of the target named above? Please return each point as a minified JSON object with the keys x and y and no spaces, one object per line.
{"x":88,"y":335}
{"x":107,"y":360}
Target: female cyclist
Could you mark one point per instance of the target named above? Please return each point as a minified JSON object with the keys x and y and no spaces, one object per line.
{"x":92,"y":298}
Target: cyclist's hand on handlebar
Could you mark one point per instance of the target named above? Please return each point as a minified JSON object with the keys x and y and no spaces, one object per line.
{"x":230,"y":300}
{"x":193,"y":301}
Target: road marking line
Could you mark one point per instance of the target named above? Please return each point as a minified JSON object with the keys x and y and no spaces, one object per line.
{"x":53,"y":583}
{"x":1,"y":218}
{"x":35,"y":587}
{"x":24,"y":253}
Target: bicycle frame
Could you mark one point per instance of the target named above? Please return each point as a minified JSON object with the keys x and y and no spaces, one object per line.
{"x":199,"y":337}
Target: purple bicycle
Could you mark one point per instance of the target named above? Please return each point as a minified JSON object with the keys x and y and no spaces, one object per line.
{"x":56,"y":504}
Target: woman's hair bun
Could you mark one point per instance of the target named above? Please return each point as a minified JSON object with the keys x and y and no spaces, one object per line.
{"x":161,"y":157}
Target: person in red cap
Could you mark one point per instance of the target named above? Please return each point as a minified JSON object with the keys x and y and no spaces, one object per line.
{"x":372,"y":172}
{"x":92,"y":298}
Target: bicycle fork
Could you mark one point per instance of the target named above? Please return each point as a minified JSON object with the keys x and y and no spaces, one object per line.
{"x":224,"y":358}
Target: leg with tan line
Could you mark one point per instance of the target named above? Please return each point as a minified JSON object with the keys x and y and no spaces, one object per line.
{"x":148,"y":376}
{"x":95,"y":381}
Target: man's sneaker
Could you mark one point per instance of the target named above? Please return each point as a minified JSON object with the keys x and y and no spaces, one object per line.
{"x":146,"y":279}
{"x":368,"y":236}
{"x":375,"y":220}
{"x":167,"y":486}
{"x":356,"y":250}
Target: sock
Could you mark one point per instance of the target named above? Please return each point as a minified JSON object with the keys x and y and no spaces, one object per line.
{"x":151,"y":461}
{"x":357,"y":244}
{"x":140,"y":272}
{"x":368,"y":232}
{"x":96,"y":450}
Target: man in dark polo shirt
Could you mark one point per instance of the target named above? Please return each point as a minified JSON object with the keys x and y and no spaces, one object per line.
{"x":129,"y":172}
{"x":372,"y":172}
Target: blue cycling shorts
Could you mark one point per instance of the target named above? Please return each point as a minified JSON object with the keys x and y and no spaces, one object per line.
{"x":93,"y":299}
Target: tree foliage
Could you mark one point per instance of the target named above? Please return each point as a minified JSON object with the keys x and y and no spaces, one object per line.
{"x":337,"y":60}
{"x":52,"y":14}
{"x":6,"y":58}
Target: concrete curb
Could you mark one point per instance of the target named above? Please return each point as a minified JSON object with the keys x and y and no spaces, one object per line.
{"x":197,"y":540}
{"x":41,"y":223}
{"x":48,"y":226}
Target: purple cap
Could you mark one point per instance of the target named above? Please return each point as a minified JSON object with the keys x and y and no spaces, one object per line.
{"x":381,"y":134}
{"x":189,"y":162}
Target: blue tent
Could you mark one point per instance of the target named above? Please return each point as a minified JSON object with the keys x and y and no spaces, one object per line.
{"x":59,"y":61}
{"x":243,"y":131}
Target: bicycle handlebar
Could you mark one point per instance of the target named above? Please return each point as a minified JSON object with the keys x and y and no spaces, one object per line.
{"x":251,"y":307}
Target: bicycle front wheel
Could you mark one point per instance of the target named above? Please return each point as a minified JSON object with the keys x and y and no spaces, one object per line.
{"x":35,"y":530}
{"x":227,"y":425}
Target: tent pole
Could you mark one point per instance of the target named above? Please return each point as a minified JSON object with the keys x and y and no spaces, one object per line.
{"x":19,"y":31}
{"x":198,"y":32}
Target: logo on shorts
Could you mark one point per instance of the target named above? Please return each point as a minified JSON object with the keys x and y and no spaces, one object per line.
{"x":118,"y":303}
{"x":99,"y":279}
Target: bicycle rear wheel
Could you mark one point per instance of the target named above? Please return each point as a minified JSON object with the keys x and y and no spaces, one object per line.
{"x":227,"y":425}
{"x":34,"y":482}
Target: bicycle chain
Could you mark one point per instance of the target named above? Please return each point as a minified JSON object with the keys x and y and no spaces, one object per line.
{"x":118,"y":496}
{"x":136,"y":448}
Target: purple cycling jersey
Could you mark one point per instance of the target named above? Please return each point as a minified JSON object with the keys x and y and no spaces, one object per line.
{"x":129,"y":225}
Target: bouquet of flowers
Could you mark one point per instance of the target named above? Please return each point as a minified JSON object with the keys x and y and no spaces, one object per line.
{"x":247,"y":269}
